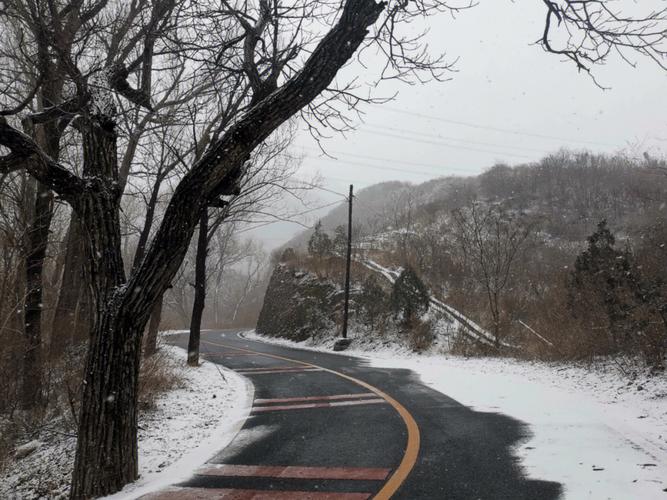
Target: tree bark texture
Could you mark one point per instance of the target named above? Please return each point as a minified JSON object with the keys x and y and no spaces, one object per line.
{"x":38,"y":237}
{"x":106,"y":457}
{"x":200,"y":290}
{"x":150,"y":345}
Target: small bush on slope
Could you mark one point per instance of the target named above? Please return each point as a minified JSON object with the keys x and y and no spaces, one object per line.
{"x":409,"y":297}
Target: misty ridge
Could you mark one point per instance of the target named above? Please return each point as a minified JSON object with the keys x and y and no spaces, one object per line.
{"x":561,"y":259}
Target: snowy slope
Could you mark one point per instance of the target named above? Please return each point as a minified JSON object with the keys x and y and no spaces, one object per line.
{"x":471,"y":329}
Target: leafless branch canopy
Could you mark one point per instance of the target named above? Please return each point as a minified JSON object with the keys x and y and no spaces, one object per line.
{"x":587,"y":32}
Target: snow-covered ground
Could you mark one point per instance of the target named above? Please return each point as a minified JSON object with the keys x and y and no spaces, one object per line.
{"x":599,"y":434}
{"x":468,"y":326}
{"x":188,"y":426}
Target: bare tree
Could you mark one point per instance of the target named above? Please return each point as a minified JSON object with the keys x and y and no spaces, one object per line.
{"x":587,"y":32}
{"x":491,"y":240}
{"x":266,"y":179}
{"x":290,"y":57}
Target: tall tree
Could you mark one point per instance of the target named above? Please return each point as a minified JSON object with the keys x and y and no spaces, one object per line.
{"x":491,"y":239}
{"x":319,"y":244}
{"x":289,"y":56}
{"x":266,"y":179}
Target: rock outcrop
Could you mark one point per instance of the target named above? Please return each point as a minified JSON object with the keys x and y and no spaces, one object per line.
{"x":297,"y":305}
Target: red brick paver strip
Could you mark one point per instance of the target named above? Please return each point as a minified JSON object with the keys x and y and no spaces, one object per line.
{"x":294,"y":472}
{"x":233,"y":494}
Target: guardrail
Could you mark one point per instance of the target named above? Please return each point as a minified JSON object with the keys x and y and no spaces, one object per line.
{"x":471,"y":329}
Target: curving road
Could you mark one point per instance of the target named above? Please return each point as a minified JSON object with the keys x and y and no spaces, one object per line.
{"x":327,"y":426}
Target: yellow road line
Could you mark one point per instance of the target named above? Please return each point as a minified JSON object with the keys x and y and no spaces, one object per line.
{"x":412,"y":446}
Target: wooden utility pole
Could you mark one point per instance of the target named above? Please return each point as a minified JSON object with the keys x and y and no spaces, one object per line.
{"x":347,"y":264}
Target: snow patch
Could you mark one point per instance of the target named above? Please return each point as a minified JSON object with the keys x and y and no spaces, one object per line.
{"x":469,"y":327}
{"x":599,"y":434}
{"x":191,"y":426}
{"x":186,"y":428}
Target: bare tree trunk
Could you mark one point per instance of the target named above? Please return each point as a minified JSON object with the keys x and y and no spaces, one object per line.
{"x":38,"y":237}
{"x":67,"y":322}
{"x":48,"y":137}
{"x":106,"y":457}
{"x":150,"y":344}
{"x":200,"y":290}
{"x":148,"y":222}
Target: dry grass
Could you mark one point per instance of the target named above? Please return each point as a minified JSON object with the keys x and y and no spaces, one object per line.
{"x":159,"y":373}
{"x":62,"y":392}
{"x":420,"y":335}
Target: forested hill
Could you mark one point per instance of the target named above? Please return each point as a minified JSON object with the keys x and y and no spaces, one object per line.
{"x":564,"y":257}
{"x":377,"y":205}
{"x":571,"y":191}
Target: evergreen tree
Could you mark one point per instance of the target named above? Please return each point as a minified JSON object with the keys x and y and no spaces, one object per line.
{"x":372,"y":301}
{"x":606,"y":279}
{"x":319,"y":244}
{"x":409,"y":296}
{"x":605,"y":273}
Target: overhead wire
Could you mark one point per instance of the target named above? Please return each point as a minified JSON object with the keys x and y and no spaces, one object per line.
{"x":441,"y":143}
{"x":379,"y":158}
{"x":492,"y":128}
{"x":449,"y":138}
{"x":394,"y":169}
{"x":287,"y":217}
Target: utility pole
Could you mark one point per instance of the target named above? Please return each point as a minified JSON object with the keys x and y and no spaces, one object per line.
{"x":347,"y":264}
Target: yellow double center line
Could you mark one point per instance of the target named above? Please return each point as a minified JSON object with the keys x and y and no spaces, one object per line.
{"x":412,"y":446}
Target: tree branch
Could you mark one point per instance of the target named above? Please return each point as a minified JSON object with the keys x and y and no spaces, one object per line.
{"x":25,"y":153}
{"x":233,"y":149}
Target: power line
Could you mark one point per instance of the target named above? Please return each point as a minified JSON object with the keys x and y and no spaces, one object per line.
{"x":494,"y":129}
{"x":366,"y":165}
{"x":440,"y":136}
{"x":441,"y":143}
{"x":390,"y":160}
{"x":310,"y":185}
{"x":287,"y":217}
{"x":368,"y":207}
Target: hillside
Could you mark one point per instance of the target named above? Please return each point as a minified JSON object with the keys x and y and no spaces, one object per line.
{"x":377,"y":205}
{"x":562,"y":258}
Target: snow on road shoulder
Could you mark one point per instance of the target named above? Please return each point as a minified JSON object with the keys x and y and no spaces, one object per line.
{"x":190,"y":426}
{"x":591,"y":432}
{"x":594,"y":431}
{"x":187,"y":427}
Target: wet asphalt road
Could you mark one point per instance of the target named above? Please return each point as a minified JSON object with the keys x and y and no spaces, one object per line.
{"x":335,"y":428}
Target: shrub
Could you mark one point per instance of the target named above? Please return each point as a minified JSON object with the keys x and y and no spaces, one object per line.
{"x":157,"y":375}
{"x":409,"y":297}
{"x":420,"y":335}
{"x":372,"y":302}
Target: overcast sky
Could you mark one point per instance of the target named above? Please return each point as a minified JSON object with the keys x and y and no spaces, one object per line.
{"x":508,"y":101}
